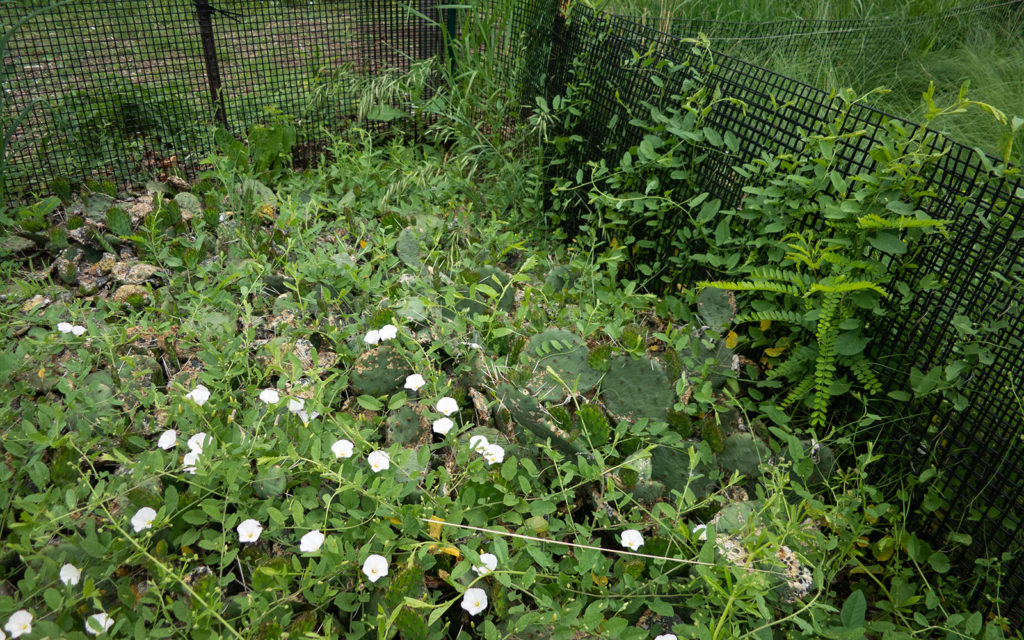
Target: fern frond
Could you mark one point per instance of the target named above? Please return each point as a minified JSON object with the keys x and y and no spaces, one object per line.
{"x":799,"y":359}
{"x":874,"y":221}
{"x":798,"y":392}
{"x":861,"y":368}
{"x":753,"y":285}
{"x":825,"y":364}
{"x":772,"y":315}
{"x":843,"y":287}
{"x":801,"y":280}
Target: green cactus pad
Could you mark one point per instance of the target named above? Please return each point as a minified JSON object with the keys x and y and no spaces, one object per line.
{"x":637,"y":388}
{"x":408,"y":248}
{"x":405,"y":426}
{"x":592,"y":422}
{"x":671,"y":467}
{"x":559,"y":278}
{"x":529,"y":418}
{"x":717,"y":309}
{"x":567,"y":357}
{"x":743,"y":452}
{"x":378,"y":372}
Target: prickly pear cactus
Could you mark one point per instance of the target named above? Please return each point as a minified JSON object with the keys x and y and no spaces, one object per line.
{"x":378,"y":372}
{"x":567,"y":356}
{"x":671,"y":467}
{"x":529,"y":418}
{"x":491,"y":277}
{"x":743,"y":452}
{"x":637,"y":388}
{"x":408,"y":248}
{"x":405,"y":426}
{"x":559,"y":278}
{"x":717,"y":309}
{"x":592,"y":422}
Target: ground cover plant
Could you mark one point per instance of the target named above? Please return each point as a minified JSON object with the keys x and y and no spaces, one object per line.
{"x":362,"y":402}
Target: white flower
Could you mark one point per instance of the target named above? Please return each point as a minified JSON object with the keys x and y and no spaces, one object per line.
{"x":190,"y":460}
{"x":199,"y":395}
{"x":414,"y":382}
{"x":70,"y":574}
{"x":490,"y":564}
{"x":198,"y":441}
{"x":168,"y":440}
{"x":375,"y":567}
{"x":19,"y":623}
{"x":474,"y":601}
{"x":479,"y":444}
{"x":447,"y":406}
{"x":78,"y":330}
{"x":98,"y":623}
{"x":379,"y":460}
{"x":311,"y":542}
{"x":143,"y":518}
{"x":388,"y":332}
{"x":64,"y":327}
{"x":342,"y":448}
{"x":666,"y":636}
{"x":249,"y":530}
{"x":270,"y":396}
{"x":703,"y":529}
{"x":372,"y":337}
{"x":306,"y":417}
{"x":631,"y":539}
{"x":494,"y":454}
{"x":295,"y":405}
{"x":443,"y":425}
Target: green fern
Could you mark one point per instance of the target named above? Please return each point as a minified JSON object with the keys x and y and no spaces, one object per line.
{"x":861,"y":368}
{"x":753,"y":285}
{"x":771,"y":315}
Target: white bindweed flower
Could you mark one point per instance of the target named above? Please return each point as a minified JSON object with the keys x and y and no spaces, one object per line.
{"x":19,"y":623}
{"x":388,"y":332}
{"x":490,"y":564}
{"x":443,"y":425}
{"x":372,"y":337}
{"x":342,"y":448}
{"x":375,"y":567}
{"x":199,"y":395}
{"x":64,"y":327}
{"x":414,"y":382}
{"x":270,"y":396}
{"x":78,"y":330}
{"x":631,"y":539}
{"x":198,"y":441}
{"x":379,"y":460}
{"x":189,"y":461}
{"x":494,"y":453}
{"x":702,"y":529}
{"x":474,"y":601}
{"x":447,"y":406}
{"x":143,"y":518}
{"x":666,"y":636}
{"x":98,"y":623}
{"x":249,"y":530}
{"x":295,"y":405}
{"x":479,"y":444}
{"x":168,"y":440}
{"x":70,"y":574}
{"x":311,"y":542}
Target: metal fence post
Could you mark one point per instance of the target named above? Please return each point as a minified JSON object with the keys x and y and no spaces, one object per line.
{"x":204,"y":12}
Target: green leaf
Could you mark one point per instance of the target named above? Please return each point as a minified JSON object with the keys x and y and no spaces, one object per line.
{"x":370,"y":403}
{"x":712,"y":137}
{"x":939,"y":562}
{"x":385,"y":113}
{"x":854,"y":610}
{"x":924,"y":383}
{"x":888,"y":242}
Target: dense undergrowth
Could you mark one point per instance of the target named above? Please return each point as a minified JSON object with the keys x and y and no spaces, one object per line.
{"x":390,"y":398}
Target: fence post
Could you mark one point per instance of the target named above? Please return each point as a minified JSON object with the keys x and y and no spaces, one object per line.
{"x":204,"y":12}
{"x":450,"y":26}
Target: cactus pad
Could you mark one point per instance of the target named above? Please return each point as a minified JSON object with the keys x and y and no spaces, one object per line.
{"x":378,"y":371}
{"x":743,"y":452}
{"x":405,"y":426}
{"x":408,"y":248}
{"x":717,"y":309}
{"x":637,"y":388}
{"x":567,"y":357}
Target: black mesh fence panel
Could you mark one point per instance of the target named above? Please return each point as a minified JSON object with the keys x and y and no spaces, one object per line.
{"x":979,"y":264}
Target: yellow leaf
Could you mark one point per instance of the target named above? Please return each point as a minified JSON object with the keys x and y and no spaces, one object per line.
{"x":452,"y":551}
{"x":775,"y":352}
{"x":731,"y":340}
{"x":362,"y":244}
{"x":434,"y":527}
{"x":395,"y":521}
{"x":765,"y":325}
{"x":601,"y":581}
